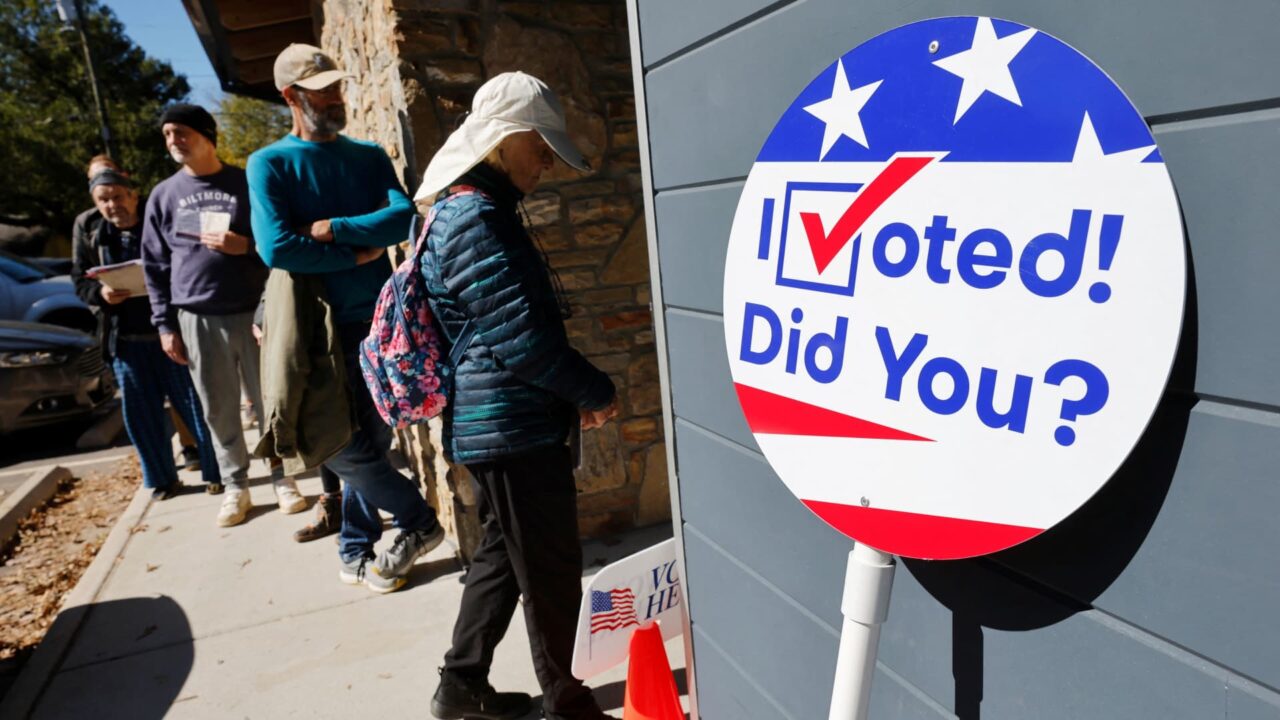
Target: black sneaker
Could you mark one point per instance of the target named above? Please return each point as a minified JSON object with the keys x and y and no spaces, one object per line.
{"x":190,"y":459}
{"x":164,"y":493}
{"x":214,"y":488}
{"x":456,"y":699}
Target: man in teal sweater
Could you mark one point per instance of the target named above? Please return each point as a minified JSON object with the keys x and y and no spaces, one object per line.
{"x":325,"y":204}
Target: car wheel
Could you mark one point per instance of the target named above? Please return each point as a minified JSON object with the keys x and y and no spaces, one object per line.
{"x":81,"y":320}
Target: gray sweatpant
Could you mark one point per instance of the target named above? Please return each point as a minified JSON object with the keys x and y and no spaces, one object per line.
{"x":222,"y":353}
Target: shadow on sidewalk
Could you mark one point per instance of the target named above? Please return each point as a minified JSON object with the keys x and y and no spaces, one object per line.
{"x":133,"y":678}
{"x":425,"y":572}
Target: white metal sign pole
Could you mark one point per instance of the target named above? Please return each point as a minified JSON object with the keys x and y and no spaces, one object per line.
{"x":867,"y":584}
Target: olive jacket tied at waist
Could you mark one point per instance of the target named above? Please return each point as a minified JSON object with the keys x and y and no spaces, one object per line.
{"x":306,"y":404}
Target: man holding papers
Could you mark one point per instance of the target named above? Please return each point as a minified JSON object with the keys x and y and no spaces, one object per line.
{"x":204,"y":279}
{"x":146,"y":376}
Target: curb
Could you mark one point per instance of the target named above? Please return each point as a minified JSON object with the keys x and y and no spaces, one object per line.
{"x":33,"y":493}
{"x":26,"y":690}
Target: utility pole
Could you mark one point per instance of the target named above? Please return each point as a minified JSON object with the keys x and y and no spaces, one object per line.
{"x":69,"y":11}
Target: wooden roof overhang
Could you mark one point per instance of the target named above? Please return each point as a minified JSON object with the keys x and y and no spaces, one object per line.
{"x":243,"y":37}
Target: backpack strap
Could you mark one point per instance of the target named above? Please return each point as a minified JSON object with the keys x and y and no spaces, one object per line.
{"x":420,"y":243}
{"x":464,"y":341}
{"x":468,"y":333}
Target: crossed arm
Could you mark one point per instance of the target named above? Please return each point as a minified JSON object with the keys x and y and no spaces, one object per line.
{"x":325,"y":245}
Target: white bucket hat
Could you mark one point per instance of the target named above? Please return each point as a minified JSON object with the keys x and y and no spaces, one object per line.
{"x":507,"y":104}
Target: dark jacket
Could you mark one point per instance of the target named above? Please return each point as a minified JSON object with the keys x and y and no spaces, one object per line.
{"x":520,"y":383}
{"x":97,"y":242}
{"x":306,"y":406}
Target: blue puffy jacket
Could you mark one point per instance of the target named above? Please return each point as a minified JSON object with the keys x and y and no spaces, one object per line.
{"x":520,"y":383}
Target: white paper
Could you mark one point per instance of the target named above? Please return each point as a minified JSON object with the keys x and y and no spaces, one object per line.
{"x":121,"y":276}
{"x":214,"y":221}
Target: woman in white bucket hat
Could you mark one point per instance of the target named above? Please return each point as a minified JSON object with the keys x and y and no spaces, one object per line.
{"x":519,"y":391}
{"x":508,"y":104}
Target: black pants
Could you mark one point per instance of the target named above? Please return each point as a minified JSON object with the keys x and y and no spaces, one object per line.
{"x":529,"y":510}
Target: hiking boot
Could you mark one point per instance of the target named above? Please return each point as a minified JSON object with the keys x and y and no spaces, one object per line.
{"x":287,"y":496}
{"x":213,"y":488}
{"x":328,"y":519}
{"x":190,"y":459}
{"x":409,"y":545}
{"x":235,"y":506}
{"x":357,"y":572}
{"x":456,"y":699}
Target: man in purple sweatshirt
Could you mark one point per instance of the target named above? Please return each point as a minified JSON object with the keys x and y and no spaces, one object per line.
{"x":204,"y":279}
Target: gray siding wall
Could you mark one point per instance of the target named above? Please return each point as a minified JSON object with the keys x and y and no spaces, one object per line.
{"x":1158,"y":599}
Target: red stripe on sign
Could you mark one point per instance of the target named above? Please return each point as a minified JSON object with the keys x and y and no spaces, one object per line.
{"x":928,"y":537}
{"x":777,"y":415}
{"x":825,"y":246}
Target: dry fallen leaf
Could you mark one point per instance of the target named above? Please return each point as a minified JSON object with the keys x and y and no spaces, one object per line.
{"x":54,"y":545}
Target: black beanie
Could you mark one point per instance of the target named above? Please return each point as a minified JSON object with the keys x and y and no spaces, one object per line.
{"x":194,"y":117}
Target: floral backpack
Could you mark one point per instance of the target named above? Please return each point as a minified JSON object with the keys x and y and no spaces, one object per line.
{"x":400,"y":359}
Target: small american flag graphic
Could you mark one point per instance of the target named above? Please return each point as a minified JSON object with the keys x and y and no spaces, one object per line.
{"x":612,"y":610}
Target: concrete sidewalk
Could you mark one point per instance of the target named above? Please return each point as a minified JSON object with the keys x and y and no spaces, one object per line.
{"x":180,"y":618}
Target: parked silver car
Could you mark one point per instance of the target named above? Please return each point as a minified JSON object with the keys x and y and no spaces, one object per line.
{"x":49,"y":373}
{"x":30,"y":292}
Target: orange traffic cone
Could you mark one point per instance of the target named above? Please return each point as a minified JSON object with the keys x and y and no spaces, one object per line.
{"x":651,"y":688}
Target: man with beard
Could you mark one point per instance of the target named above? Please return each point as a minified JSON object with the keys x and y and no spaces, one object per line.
{"x":329,"y":205}
{"x":204,"y":281}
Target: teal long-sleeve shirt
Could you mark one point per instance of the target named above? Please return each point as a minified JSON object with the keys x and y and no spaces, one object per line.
{"x":295,"y":182}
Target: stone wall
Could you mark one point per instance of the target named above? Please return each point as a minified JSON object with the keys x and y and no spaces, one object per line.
{"x":361,"y":36}
{"x":418,"y":63}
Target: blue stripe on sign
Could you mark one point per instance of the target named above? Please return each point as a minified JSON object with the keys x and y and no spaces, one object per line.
{"x":766,"y":228}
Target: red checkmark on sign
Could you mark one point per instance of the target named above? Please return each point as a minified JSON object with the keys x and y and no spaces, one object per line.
{"x":826,"y":246}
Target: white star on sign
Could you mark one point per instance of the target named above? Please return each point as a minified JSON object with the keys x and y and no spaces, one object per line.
{"x":841,"y":111}
{"x":1089,"y":149}
{"x":985,"y":66}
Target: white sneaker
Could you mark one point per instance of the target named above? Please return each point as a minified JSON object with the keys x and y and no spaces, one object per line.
{"x":234,"y":507}
{"x":287,"y":495}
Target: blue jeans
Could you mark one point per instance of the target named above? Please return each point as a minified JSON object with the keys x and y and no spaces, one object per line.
{"x":370,"y":483}
{"x":146,"y":376}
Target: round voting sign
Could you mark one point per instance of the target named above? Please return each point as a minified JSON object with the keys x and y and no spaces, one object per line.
{"x":954,"y":287}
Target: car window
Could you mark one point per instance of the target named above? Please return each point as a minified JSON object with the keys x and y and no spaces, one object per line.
{"x":21,"y":270}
